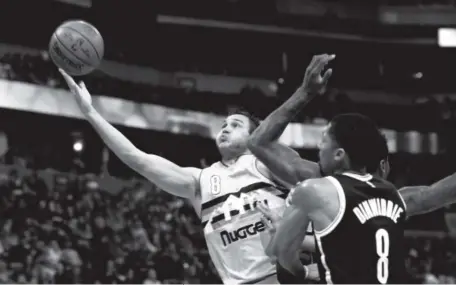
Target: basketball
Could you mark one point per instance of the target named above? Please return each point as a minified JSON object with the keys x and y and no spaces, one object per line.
{"x":77,"y":47}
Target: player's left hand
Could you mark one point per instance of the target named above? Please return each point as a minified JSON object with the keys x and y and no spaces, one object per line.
{"x":313,"y":81}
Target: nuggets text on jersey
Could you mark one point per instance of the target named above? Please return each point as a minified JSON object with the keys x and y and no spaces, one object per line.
{"x":241,"y":233}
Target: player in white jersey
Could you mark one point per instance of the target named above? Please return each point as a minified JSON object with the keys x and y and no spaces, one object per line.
{"x":235,"y":239}
{"x":235,"y":235}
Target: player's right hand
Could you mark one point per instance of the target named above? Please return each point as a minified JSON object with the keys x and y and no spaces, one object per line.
{"x":270,"y":219}
{"x":313,"y":81}
{"x":80,"y":92}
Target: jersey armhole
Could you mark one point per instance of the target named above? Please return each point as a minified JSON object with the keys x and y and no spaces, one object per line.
{"x":255,"y":167}
{"x":342,"y":206}
{"x":403,"y":202}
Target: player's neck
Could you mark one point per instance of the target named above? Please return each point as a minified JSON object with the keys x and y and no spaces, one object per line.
{"x":347,"y":168}
{"x":354,"y":171}
{"x":228,"y":160}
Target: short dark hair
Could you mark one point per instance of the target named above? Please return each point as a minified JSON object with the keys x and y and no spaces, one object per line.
{"x":383,"y":154}
{"x":254,"y":121}
{"x":360,"y":137}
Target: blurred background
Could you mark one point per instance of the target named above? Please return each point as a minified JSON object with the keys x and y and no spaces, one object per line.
{"x":71,"y":212}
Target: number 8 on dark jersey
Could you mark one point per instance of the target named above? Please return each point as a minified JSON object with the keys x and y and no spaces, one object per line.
{"x":365,"y":242}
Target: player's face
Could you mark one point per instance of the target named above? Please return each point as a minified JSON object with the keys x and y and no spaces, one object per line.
{"x":234,"y":133}
{"x":330,"y":153}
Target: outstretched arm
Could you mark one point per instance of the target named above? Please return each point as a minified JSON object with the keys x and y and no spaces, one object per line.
{"x":165,"y":174}
{"x":424,"y":199}
{"x":176,"y":180}
{"x":282,"y":161}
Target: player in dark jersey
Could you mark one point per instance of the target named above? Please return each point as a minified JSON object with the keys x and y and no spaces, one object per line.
{"x":375,"y":219}
{"x":286,"y":163}
{"x":350,"y":204}
{"x":418,"y":200}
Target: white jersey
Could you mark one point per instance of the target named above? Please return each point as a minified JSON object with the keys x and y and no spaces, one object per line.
{"x":235,"y":236}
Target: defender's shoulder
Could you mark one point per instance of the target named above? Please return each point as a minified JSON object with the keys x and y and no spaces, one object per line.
{"x":313,"y":184}
{"x":308,"y":193}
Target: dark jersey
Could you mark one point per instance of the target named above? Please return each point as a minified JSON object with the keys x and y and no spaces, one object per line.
{"x":364,"y":244}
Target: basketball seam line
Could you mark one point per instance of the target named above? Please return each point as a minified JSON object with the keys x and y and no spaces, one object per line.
{"x":71,"y":51}
{"x":87,"y":39}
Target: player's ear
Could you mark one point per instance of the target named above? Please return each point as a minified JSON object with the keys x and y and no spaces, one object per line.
{"x":339,"y":154}
{"x":384,"y":168}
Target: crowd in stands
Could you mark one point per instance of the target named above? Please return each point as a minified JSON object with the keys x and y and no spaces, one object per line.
{"x":39,"y":69}
{"x":73,"y":232}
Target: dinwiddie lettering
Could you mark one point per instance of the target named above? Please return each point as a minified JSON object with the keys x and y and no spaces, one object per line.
{"x":377,"y":207}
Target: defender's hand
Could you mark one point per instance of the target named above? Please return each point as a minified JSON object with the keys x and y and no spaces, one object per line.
{"x":314,"y":82}
{"x":269,"y":218}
